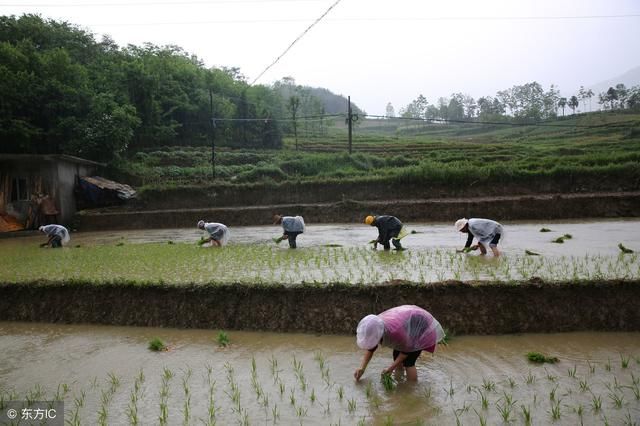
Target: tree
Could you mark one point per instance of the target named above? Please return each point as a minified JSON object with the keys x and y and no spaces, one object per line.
{"x":562,"y":102}
{"x":611,"y":96}
{"x":573,"y":103}
{"x":390,"y":112}
{"x":621,"y":93}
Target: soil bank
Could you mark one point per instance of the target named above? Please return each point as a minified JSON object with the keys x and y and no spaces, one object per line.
{"x":503,"y":208}
{"x":462,"y":308}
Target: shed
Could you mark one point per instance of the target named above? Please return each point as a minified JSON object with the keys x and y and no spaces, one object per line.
{"x":39,"y":189}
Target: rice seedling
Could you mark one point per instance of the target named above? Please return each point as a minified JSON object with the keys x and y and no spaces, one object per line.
{"x":596,"y":403}
{"x":545,"y":230}
{"x":636,"y":391}
{"x":584,"y":385}
{"x":481,"y":419}
{"x":340,"y":392}
{"x":292,"y":397}
{"x":512,"y":383}
{"x":388,"y":383}
{"x":222,"y":339}
{"x":558,"y":240}
{"x":572,"y":371}
{"x":540,"y":358}
{"x":451,"y":390}
{"x":351,"y":405}
{"x":607,"y":365}
{"x":567,"y":236}
{"x":484,"y":401}
{"x":488,"y":385}
{"x":526,"y":415}
{"x":275,"y":413}
{"x":530,"y":378}
{"x":592,"y":367}
{"x":579,"y":410}
{"x":552,"y":393}
{"x":156,"y":344}
{"x":301,"y":411}
{"x":426,"y":393}
{"x":617,"y":399}
{"x":504,"y":411}
{"x":556,"y":411}
{"x":624,"y":361}
{"x":628,"y":420}
{"x":531,"y":253}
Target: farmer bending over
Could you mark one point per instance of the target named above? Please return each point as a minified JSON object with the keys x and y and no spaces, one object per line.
{"x":486,"y":231}
{"x":292,"y":227}
{"x":407,"y":329}
{"x":218,"y":233}
{"x":389,"y":228}
{"x":58,"y":235}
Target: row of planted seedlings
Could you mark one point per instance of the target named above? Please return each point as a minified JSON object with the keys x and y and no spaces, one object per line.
{"x":179,"y":263}
{"x":283,"y":390}
{"x":606,"y":393}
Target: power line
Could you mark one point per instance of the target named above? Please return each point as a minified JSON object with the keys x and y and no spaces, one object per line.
{"x":151,"y":3}
{"x":296,"y":40}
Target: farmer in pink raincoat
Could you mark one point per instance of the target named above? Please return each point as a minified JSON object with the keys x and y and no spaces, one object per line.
{"x":407,"y":329}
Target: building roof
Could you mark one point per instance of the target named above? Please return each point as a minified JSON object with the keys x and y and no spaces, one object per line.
{"x":50,"y":157}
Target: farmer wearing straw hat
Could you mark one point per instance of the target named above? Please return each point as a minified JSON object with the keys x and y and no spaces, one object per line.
{"x":218,"y":233}
{"x":292,"y":227}
{"x":389,"y":228}
{"x":486,"y":231}
{"x":407,"y":329}
{"x":58,"y":235}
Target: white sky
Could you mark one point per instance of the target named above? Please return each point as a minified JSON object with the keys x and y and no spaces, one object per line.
{"x":380,"y":51}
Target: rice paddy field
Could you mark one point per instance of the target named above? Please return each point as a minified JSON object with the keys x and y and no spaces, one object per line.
{"x":330,"y":254}
{"x":108,"y":375}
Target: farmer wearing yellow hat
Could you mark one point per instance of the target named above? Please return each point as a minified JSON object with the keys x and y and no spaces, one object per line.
{"x":389,"y":228}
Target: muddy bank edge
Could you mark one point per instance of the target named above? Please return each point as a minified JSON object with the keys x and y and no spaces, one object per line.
{"x":462,"y":308}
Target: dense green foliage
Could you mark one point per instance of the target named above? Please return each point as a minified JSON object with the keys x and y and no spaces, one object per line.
{"x":64,"y":92}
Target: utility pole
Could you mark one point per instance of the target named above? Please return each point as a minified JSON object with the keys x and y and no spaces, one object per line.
{"x":349,"y":120}
{"x":213,"y":136}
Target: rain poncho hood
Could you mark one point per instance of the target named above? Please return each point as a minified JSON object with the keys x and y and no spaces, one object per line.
{"x":409,"y":328}
{"x":57,"y":230}
{"x":369,"y":332}
{"x":485,"y":229}
{"x":293,"y":224}
{"x":218,"y":232}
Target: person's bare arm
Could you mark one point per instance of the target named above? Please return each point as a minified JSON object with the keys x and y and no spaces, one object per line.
{"x":398,"y":361}
{"x":363,"y":365}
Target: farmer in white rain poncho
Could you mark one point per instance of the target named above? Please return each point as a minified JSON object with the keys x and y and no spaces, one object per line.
{"x":407,"y":329}
{"x":292,"y":227}
{"x":486,"y":231}
{"x":58,"y":235}
{"x":218,"y":233}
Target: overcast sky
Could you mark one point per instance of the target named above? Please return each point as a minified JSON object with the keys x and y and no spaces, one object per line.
{"x":380,"y":51}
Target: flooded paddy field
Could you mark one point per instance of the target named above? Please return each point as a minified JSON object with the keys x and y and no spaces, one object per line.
{"x":108,"y":375}
{"x":329,"y":254}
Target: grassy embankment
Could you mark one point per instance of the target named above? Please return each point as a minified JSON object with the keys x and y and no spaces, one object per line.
{"x":449,"y":155}
{"x":177,"y":264}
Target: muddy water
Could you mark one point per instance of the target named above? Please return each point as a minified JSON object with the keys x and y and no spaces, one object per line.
{"x":307,"y":379}
{"x":589,"y":237}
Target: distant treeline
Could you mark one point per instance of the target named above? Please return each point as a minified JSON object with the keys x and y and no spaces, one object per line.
{"x":523,"y":103}
{"x":62,"y":91}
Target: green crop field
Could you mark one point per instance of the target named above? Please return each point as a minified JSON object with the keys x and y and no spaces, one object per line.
{"x":595,"y":147}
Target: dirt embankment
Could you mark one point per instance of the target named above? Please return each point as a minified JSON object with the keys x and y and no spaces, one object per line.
{"x":480,"y":308}
{"x":226,"y":195}
{"x":529,"y":207}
